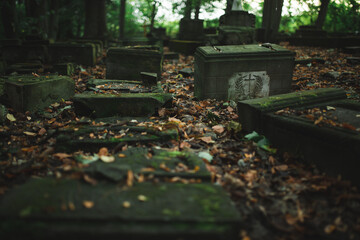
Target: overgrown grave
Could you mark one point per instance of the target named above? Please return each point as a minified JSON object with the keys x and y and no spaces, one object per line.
{"x":320,"y":126}
{"x":33,"y":92}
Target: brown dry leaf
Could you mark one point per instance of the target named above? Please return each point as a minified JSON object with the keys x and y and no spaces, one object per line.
{"x":329,"y":228}
{"x":62,"y":156}
{"x":164,"y":167}
{"x":218,"y":129}
{"x":103,"y":151}
{"x":283,"y":167}
{"x":147,"y":170}
{"x":142,"y":198}
{"x":272,"y":160}
{"x":250,"y":176}
{"x":30,"y":133}
{"x":290,"y":219}
{"x":90,"y":180}
{"x":162,"y":112}
{"x":71,"y":206}
{"x":126,"y":204}
{"x":42,"y":131}
{"x":207,"y":139}
{"x":130,"y":178}
{"x":121,"y":155}
{"x":88,"y":204}
{"x":184,"y":144}
{"x":172,"y":119}
{"x":348,"y":126}
{"x":319,"y":120}
{"x":29,"y":149}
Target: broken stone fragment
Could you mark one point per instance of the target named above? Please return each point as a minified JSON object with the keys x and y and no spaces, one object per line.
{"x":186,"y":72}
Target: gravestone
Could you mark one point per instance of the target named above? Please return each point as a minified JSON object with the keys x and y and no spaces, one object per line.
{"x":186,"y":47}
{"x":78,"y":137}
{"x":191,"y":29}
{"x":31,"y":93}
{"x":14,"y":54}
{"x":79,"y":53}
{"x":329,"y":139}
{"x":127,"y":63}
{"x":51,"y":208}
{"x":242,"y":71}
{"x":120,"y":98}
{"x":99,"y":45}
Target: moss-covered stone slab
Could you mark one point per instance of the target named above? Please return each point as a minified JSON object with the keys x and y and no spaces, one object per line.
{"x":121,"y":104}
{"x":157,"y":162}
{"x":242,"y":71}
{"x":31,"y":93}
{"x":186,"y":47}
{"x":330,"y":141}
{"x":128,"y":62}
{"x":79,"y":53}
{"x":123,"y":86}
{"x":78,"y":138}
{"x":48,"y":208}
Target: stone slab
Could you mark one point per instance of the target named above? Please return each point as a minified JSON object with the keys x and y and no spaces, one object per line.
{"x":25,"y":67}
{"x":243,"y":70}
{"x":66,"y":69}
{"x":184,"y":46}
{"x":77,"y":138}
{"x":121,"y":104}
{"x":99,"y":45}
{"x":161,"y":163}
{"x":334,"y":149}
{"x":48,"y":208}
{"x":79,"y":53}
{"x":230,"y":35}
{"x":126,"y":86}
{"x":128,"y":62}
{"x":30,"y":93}
{"x":14,"y":54}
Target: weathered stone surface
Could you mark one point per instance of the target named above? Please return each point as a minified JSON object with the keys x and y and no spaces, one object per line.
{"x":332,"y":148}
{"x":14,"y":54}
{"x":99,"y":45}
{"x":26,"y":67}
{"x":191,"y":29}
{"x":47,"y":208}
{"x":128,"y":62}
{"x":353,"y":60}
{"x":79,"y":53}
{"x":238,"y":18}
{"x":171,"y":55}
{"x":229,"y":35}
{"x":123,"y":86}
{"x":77,"y":138}
{"x":63,"y":69}
{"x":184,"y":46}
{"x":149,"y":79}
{"x":161,"y":163}
{"x":123,"y":105}
{"x":186,"y":72}
{"x":217,"y":68}
{"x":29,"y":93}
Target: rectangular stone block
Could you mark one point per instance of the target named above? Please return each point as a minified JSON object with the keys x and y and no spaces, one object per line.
{"x":184,"y":46}
{"x":242,"y":71}
{"x":79,"y":53}
{"x":99,"y":45}
{"x":14,"y":54}
{"x":26,"y":67}
{"x":30,"y":93}
{"x":63,"y":69}
{"x":128,"y":62}
{"x":54,"y":209}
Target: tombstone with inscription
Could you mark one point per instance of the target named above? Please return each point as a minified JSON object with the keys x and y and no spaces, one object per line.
{"x":236,"y":25}
{"x":242,"y":71}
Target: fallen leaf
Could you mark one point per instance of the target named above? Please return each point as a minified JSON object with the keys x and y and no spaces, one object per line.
{"x":88,"y":204}
{"x":319,"y":120}
{"x":142,"y":198}
{"x":121,"y":155}
{"x":290,"y":219}
{"x":107,"y":159}
{"x":30,"y":133}
{"x":162,"y":112}
{"x":62,"y":155}
{"x":329,"y":108}
{"x":348,"y":126}
{"x":130,"y":178}
{"x":126,"y":204}
{"x":103,"y":151}
{"x":218,"y":129}
{"x":283,"y":167}
{"x":90,"y":180}
{"x":42,"y":131}
{"x":329,"y":228}
{"x":10,"y":117}
{"x":207,"y":139}
{"x":71,"y":206}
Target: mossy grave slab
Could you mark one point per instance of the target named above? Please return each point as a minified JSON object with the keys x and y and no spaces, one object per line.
{"x":78,"y":138}
{"x":101,"y":105}
{"x":121,"y":86}
{"x":48,"y":208}
{"x":31,"y":93}
{"x":157,"y":162}
{"x":128,"y":62}
{"x":321,"y":126}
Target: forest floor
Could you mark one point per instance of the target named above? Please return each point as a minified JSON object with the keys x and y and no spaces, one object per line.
{"x":278,"y":195}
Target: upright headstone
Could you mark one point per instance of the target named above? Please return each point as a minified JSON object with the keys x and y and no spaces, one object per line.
{"x":242,"y":71}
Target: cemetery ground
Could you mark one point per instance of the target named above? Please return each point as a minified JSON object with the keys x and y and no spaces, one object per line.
{"x":278,"y":195}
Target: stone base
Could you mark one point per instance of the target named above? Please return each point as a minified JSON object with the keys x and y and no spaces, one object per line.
{"x":184,"y":47}
{"x":128,"y":62}
{"x":29,"y":93}
{"x":84,"y":54}
{"x":229,"y":35}
{"x":122,"y":105}
{"x":54,"y":209}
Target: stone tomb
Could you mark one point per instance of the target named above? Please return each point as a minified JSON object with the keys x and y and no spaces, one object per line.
{"x":78,"y":137}
{"x":242,"y":71}
{"x":186,"y":47}
{"x":120,"y":98}
{"x":55,"y":209}
{"x":30,"y":93}
{"x":79,"y":53}
{"x":331,"y":140}
{"x":128,"y":62}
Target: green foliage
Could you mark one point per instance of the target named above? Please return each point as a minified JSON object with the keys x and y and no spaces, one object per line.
{"x":343,"y":17}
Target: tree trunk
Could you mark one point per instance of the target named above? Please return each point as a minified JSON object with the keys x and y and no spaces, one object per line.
{"x":8,"y":17}
{"x":153,"y":14}
{"x":229,"y":4}
{"x":91,"y":19}
{"x":122,"y":19}
{"x":197,"y":9}
{"x":322,"y":14}
{"x":36,"y":10}
{"x":271,"y":18}
{"x":188,"y":9}
{"x":102,"y":29}
{"x":53,"y":19}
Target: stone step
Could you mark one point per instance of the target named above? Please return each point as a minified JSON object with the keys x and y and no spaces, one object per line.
{"x":31,"y":93}
{"x":58,"y":209}
{"x":157,"y":162}
{"x":329,"y":139}
{"x":77,"y":138}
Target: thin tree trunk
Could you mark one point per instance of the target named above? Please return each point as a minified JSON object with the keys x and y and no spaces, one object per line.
{"x":8,"y":17}
{"x":102,"y":29}
{"x":188,"y":8}
{"x":197,"y":9}
{"x":153,"y":14}
{"x":53,"y":19}
{"x":91,"y":19}
{"x":271,"y":18}
{"x":322,"y":14}
{"x":122,"y":19}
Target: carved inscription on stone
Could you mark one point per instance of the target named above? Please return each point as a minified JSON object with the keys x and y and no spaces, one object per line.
{"x":247,"y":85}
